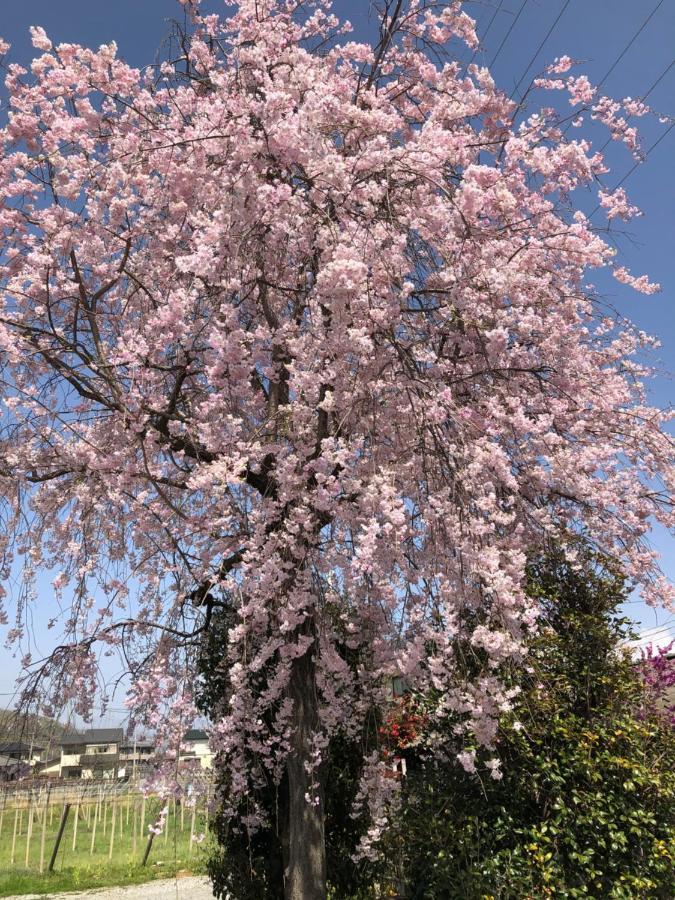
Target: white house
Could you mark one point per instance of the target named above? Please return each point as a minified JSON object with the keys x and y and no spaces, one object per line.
{"x":136,"y":756}
{"x":658,"y":638}
{"x":21,"y":752}
{"x":195,"y":746}
{"x":93,"y":754}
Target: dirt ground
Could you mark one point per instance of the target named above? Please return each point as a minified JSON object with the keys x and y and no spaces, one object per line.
{"x":172,"y":889}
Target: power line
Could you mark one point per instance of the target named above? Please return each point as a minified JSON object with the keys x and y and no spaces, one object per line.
{"x":540,"y":47}
{"x":506,"y":36}
{"x":660,"y":78}
{"x":623,"y":52}
{"x":647,"y":152}
{"x":494,"y":16}
{"x":629,"y":44}
{"x":645,"y":95}
{"x":639,"y":162}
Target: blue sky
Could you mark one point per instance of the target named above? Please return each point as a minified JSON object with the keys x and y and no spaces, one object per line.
{"x":593,"y":31}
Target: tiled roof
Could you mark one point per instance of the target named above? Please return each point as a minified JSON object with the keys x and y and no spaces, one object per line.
{"x":95,"y":736}
{"x":195,"y":734}
{"x":18,"y":747}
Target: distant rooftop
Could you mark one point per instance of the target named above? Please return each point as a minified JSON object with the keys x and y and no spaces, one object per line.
{"x":18,"y":747}
{"x":95,"y":736}
{"x":195,"y":734}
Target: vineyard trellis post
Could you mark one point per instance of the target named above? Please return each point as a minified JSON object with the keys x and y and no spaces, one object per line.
{"x":62,"y":826}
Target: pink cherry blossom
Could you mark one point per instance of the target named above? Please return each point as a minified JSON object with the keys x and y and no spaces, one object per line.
{"x":467,"y":760}
{"x":39,"y":39}
{"x":617,"y":204}
{"x":641,"y":283}
{"x":580,"y":90}
{"x":560,"y":65}
{"x":305,"y":336}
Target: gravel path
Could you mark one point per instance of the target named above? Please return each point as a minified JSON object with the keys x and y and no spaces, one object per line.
{"x":172,"y":889}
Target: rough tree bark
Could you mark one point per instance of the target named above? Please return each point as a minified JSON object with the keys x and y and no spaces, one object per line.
{"x":304,"y":844}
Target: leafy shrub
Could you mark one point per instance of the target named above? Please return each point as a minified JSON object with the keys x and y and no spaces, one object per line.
{"x":584,"y":804}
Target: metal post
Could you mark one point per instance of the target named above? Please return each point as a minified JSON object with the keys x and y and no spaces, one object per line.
{"x":62,"y":828}
{"x":148,"y":848}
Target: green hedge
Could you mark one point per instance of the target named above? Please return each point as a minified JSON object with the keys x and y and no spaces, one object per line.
{"x":586,"y":804}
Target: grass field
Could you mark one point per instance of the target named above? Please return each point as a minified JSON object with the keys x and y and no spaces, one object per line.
{"x":105,"y":847}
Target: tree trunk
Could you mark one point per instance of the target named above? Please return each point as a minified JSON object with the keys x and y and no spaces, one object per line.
{"x":304,"y":843}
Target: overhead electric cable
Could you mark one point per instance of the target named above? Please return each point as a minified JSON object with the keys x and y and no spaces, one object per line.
{"x":639,"y":162}
{"x":494,"y":16}
{"x":659,"y":79}
{"x":624,"y":51}
{"x":540,"y":47}
{"x":645,"y":95}
{"x":629,"y":44}
{"x":648,"y":151}
{"x":506,"y":36}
